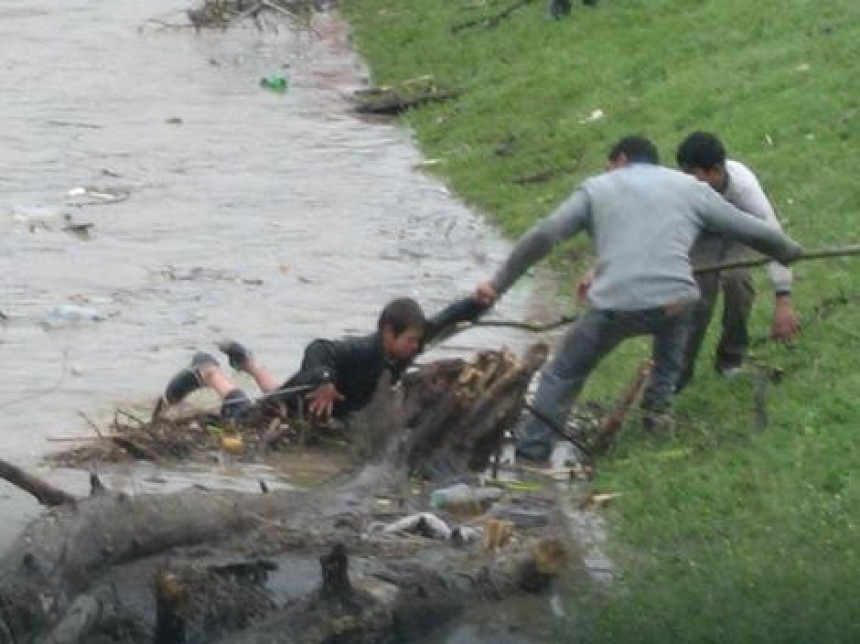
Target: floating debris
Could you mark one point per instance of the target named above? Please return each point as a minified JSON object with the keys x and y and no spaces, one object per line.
{"x":96,"y":196}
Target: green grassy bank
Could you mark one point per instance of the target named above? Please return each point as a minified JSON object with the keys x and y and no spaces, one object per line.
{"x":724,"y":533}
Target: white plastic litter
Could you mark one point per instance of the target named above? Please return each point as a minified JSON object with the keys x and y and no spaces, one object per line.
{"x":425,"y":524}
{"x":71,"y":315}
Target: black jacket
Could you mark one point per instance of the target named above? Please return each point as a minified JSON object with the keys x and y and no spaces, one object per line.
{"x":354,"y":365}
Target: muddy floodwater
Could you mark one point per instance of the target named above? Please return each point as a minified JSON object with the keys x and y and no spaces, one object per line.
{"x":154,"y":198}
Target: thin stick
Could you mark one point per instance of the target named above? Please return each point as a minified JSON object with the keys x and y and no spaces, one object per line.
{"x":91,"y":424}
{"x":554,"y":426}
{"x":821,"y":253}
{"x":489,"y":22}
{"x":612,"y":423}
{"x":526,"y":326}
{"x":276,"y":7}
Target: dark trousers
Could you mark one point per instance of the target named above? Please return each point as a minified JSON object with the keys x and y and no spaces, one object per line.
{"x":582,"y":348}
{"x":738,"y":296}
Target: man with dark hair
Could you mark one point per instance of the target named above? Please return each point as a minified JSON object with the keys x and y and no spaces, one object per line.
{"x":643,"y":220}
{"x":336,"y":377}
{"x":702,"y":155}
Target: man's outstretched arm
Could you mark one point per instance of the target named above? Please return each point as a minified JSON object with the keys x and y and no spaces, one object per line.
{"x":568,"y":219}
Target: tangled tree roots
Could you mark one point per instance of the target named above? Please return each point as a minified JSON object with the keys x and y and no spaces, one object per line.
{"x":323,"y":565}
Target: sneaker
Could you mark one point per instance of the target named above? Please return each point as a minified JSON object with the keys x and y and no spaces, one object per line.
{"x":237,"y":354}
{"x":187,"y":381}
{"x":729,"y":366}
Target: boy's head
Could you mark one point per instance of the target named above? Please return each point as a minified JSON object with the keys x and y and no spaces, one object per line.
{"x":632,"y":149}
{"x":702,"y":155}
{"x":401,"y":326}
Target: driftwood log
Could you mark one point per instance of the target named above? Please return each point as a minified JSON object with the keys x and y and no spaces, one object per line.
{"x":206,"y":566}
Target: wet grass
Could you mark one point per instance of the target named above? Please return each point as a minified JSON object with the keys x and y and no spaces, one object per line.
{"x":725,"y":533}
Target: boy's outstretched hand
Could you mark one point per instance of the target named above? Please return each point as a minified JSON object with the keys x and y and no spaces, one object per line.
{"x":322,"y":399}
{"x":486,"y":294}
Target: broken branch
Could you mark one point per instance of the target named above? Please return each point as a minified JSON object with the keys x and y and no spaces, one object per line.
{"x":46,"y":493}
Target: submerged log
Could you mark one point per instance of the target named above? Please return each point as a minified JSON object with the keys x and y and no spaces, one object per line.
{"x":86,"y":567}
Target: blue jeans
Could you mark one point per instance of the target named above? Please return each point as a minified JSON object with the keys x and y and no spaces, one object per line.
{"x":591,"y":338}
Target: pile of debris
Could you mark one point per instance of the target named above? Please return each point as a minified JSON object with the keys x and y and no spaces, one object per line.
{"x":198,"y":436}
{"x":219,"y":13}
{"x":404,"y":542}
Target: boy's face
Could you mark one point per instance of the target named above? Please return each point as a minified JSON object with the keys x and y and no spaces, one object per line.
{"x":714,"y":177}
{"x":403,"y":346}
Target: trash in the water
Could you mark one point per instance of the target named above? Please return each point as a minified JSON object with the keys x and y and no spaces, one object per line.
{"x":465,"y":534}
{"x":93,"y":195}
{"x":425,"y":524}
{"x":594,"y":501}
{"x":232,"y":444}
{"x":275,"y":82}
{"x":497,"y":534}
{"x":78,"y":229}
{"x":69,"y":315}
{"x":173,"y":120}
{"x":463,"y":499}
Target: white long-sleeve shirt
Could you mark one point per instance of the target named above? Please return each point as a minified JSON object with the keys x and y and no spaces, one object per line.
{"x":743,"y":191}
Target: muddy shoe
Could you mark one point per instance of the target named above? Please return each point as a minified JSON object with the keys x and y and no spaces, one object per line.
{"x":237,"y":354}
{"x":187,"y":381}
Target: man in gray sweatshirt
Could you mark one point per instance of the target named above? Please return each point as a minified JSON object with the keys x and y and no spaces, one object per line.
{"x":643,"y":219}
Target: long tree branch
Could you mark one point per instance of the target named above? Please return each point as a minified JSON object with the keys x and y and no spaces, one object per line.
{"x":821,"y":253}
{"x":46,"y":493}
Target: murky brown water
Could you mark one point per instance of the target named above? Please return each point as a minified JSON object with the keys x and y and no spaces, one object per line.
{"x":273,"y":218}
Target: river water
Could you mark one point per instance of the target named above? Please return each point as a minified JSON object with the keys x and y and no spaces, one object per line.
{"x":218,"y":209}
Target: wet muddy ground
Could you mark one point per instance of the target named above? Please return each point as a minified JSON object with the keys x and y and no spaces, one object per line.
{"x":155,"y":199}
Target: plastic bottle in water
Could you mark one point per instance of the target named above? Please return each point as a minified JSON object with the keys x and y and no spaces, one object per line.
{"x":275,"y":82}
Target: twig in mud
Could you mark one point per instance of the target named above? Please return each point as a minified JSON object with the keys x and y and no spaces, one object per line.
{"x":276,"y":7}
{"x":554,"y":426}
{"x":761,"y":380}
{"x":527,"y":326}
{"x":610,"y":425}
{"x":130,"y":416}
{"x":137,"y":451}
{"x":91,"y":423}
{"x":491,"y":21}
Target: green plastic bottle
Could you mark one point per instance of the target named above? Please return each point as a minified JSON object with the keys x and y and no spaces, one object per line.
{"x":275,"y":83}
